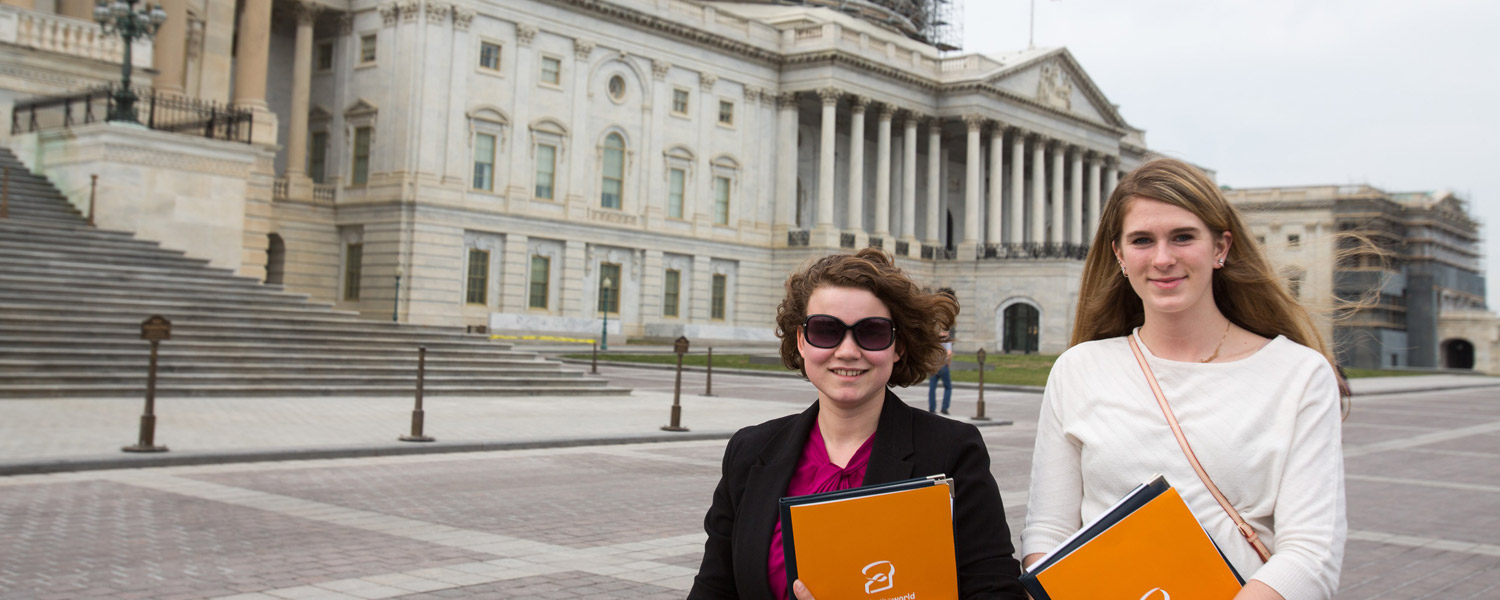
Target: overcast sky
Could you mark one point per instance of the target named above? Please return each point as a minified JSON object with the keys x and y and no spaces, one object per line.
{"x":1403,"y":95}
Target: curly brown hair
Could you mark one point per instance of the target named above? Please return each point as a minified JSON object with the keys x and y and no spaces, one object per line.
{"x":921,"y":316}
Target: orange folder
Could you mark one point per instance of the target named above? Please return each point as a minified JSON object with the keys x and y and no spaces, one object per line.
{"x":1147,"y":546}
{"x":884,"y":542}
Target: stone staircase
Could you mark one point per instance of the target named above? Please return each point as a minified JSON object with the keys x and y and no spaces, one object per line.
{"x":72,"y":298}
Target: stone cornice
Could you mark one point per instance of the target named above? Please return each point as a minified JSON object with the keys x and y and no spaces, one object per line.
{"x":680,"y":30}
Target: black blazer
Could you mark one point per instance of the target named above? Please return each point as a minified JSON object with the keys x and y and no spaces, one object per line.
{"x":758,"y":466}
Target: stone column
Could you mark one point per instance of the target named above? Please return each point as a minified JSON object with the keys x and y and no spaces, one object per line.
{"x":854,"y":213}
{"x":77,"y":9}
{"x":251,"y":49}
{"x":992,"y":222}
{"x":934,"y":178}
{"x":1075,"y":199}
{"x":972,"y":166}
{"x":1094,"y":184}
{"x":883,"y":176}
{"x":296,"y":135}
{"x":786,"y":164}
{"x":1111,"y":173}
{"x":1055,"y":230}
{"x":1039,"y":190}
{"x":1017,"y":187}
{"x":826,"y":149}
{"x":909,"y":182}
{"x":171,"y":45}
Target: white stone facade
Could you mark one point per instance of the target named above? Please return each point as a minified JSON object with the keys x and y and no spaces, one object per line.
{"x":501,"y":160}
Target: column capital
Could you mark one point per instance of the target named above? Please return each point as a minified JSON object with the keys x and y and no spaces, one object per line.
{"x":582,"y":49}
{"x":707,"y":80}
{"x":830,"y":95}
{"x":931,"y":121}
{"x":389,"y":13}
{"x":860,"y":103}
{"x":346,"y":25}
{"x":659,"y":69}
{"x":997,"y":128}
{"x":975,"y":122}
{"x":307,"y":12}
{"x":437,"y":12}
{"x":462,"y":18}
{"x":887,"y":111}
{"x":409,"y":10}
{"x":525,"y":34}
{"x":786,"y":100}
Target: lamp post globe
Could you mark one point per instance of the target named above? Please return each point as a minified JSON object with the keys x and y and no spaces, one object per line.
{"x":608,"y":285}
{"x":120,"y":18}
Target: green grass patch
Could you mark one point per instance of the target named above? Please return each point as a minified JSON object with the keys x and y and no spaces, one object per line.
{"x":1358,"y":373}
{"x":1009,"y":369}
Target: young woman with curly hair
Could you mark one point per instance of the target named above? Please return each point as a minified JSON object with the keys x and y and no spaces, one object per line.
{"x":853,"y":325}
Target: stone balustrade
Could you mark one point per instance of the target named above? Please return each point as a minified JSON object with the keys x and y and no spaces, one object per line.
{"x":66,"y":35}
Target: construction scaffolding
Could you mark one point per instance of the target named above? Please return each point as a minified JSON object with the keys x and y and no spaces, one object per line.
{"x":938,"y":23}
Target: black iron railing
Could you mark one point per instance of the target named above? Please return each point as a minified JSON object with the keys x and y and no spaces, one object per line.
{"x":1033,"y":250}
{"x":155,"y":110}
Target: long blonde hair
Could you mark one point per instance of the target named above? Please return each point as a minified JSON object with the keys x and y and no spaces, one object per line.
{"x":1246,"y":289}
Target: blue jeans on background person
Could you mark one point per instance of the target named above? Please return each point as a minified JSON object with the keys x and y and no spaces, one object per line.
{"x":932,"y":389}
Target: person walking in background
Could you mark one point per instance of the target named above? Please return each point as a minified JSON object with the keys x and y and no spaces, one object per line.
{"x":1175,"y":285}
{"x":942,"y":374}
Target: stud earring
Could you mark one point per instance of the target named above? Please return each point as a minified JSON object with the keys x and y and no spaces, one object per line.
{"x":1221,"y":262}
{"x":1122,"y":271}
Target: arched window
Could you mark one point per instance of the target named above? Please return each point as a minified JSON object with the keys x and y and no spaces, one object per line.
{"x":613,"y":183}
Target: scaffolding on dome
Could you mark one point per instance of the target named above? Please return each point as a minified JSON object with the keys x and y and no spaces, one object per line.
{"x":935,"y":22}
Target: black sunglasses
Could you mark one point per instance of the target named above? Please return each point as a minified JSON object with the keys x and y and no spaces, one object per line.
{"x":871,"y":333}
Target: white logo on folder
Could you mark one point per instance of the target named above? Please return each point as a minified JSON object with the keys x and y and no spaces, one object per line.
{"x":1150,"y":594}
{"x":882,"y":579}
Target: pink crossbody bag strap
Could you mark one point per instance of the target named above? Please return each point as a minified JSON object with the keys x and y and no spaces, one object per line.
{"x":1166,"y":410}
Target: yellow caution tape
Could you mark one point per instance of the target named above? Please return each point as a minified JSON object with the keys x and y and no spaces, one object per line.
{"x":542,"y":338}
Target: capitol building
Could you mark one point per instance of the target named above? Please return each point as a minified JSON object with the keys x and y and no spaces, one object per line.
{"x":529,"y":166}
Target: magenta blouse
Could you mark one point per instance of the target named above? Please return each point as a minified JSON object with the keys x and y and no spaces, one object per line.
{"x":815,"y":474}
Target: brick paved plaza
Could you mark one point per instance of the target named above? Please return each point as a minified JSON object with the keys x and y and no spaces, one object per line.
{"x":624,"y":520}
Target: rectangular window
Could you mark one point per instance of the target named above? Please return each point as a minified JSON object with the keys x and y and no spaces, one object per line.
{"x":325,"y":56}
{"x":716,"y":309}
{"x":353,"y":264}
{"x":546,"y":167}
{"x":317,"y":152}
{"x":484,"y":161}
{"x":612,"y":185}
{"x":489,"y":56}
{"x":721,"y":200}
{"x":551,"y":70}
{"x":677,"y":180}
{"x":367,"y":49}
{"x":671,"y":291}
{"x":479,"y":276}
{"x":726,"y":112}
{"x":541,"y":278}
{"x":609,"y":288}
{"x":360,"y":171}
{"x":680,"y":101}
{"x":1293,"y":240}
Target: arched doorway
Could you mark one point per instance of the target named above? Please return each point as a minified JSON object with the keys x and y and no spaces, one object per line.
{"x":1458,"y":354}
{"x":275,"y":260}
{"x":1021,"y":326}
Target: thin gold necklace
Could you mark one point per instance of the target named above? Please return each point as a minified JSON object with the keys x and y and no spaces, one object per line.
{"x":1211,"y":357}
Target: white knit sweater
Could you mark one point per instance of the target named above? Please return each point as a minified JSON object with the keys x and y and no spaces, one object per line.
{"x":1266,"y":428}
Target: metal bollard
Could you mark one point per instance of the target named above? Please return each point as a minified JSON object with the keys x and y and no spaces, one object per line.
{"x":681,"y":348}
{"x":979,"y":415}
{"x":417,"y":414}
{"x":4,"y":192}
{"x":154,"y":330}
{"x":93,"y":186}
{"x":708,"y":389}
{"x":594,"y":364}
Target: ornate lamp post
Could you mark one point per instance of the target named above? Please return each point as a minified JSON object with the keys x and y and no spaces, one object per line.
{"x":396,"y":304}
{"x":121,"y":18}
{"x":604,"y":306}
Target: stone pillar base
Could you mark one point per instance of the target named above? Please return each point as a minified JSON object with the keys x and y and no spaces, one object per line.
{"x":263,"y":131}
{"x":967,"y":250}
{"x":824,"y":236}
